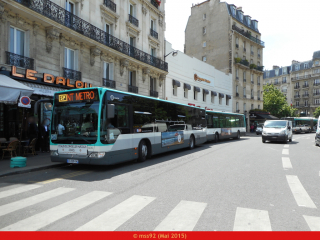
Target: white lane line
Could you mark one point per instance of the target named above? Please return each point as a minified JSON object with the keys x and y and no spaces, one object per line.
{"x":11,"y":207}
{"x":251,"y":220}
{"x":47,"y":217}
{"x":118,"y":215}
{"x":286,"y":146}
{"x":300,"y":194}
{"x":313,"y":222}
{"x":183,"y":217}
{"x":286,"y":162}
{"x":18,"y":190}
{"x":285,"y":151}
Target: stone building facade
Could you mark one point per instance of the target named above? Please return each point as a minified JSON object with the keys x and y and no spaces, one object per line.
{"x":299,"y":82}
{"x":221,"y":35}
{"x":113,"y":43}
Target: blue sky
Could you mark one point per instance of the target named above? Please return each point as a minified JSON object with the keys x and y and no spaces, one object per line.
{"x":289,"y":28}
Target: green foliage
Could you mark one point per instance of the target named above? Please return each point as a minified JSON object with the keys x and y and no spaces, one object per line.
{"x":253,"y":66}
{"x":237,"y":60}
{"x":275,"y":102}
{"x":316,"y":113}
{"x":245,"y":62}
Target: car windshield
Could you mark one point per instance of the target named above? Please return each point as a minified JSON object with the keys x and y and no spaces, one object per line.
{"x":275,"y":124}
{"x":75,"y":123}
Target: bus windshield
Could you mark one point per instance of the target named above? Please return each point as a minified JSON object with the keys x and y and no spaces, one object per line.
{"x":275,"y":124}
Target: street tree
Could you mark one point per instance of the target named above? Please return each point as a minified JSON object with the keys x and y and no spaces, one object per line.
{"x":275,"y":102}
{"x":316,"y":113}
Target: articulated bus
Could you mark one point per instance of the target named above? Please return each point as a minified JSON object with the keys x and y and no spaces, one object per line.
{"x":102,"y":126}
{"x":303,"y":124}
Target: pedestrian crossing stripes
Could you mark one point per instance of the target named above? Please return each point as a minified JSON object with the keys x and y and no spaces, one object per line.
{"x":183,"y":217}
{"x":118,"y":215}
{"x":18,"y":190}
{"x":300,"y":194}
{"x":313,"y":222}
{"x":251,"y":220}
{"x":43,"y":219}
{"x":15,"y":206}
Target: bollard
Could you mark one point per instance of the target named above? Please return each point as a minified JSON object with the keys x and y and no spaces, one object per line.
{"x":17,"y":162}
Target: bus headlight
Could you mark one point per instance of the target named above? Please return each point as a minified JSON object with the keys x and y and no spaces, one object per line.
{"x":54,"y":153}
{"x":97,"y":155}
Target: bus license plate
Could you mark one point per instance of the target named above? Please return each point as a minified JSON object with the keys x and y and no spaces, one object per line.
{"x":72,"y":161}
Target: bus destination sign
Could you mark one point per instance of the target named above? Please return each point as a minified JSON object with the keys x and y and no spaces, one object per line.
{"x":79,"y":96}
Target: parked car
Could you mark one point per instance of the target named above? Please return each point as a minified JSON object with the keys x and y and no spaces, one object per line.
{"x":277,"y":130}
{"x":259,"y":129}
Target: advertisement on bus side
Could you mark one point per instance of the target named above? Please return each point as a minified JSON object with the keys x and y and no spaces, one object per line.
{"x":225,"y":131}
{"x":172,"y":138}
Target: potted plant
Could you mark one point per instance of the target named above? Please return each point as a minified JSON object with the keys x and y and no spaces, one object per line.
{"x":237,"y":60}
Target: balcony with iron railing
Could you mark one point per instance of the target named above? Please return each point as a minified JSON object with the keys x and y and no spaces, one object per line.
{"x":284,"y":81}
{"x":316,"y":93}
{"x":109,"y":83}
{"x":247,"y":34}
{"x":133,"y":89}
{"x":252,"y":82}
{"x":58,"y":14}
{"x":155,"y":4}
{"x":244,"y":80}
{"x":244,"y":96}
{"x":305,"y":95}
{"x":301,"y":77}
{"x":237,"y":111}
{"x":111,"y":5}
{"x":153,"y":33}
{"x":305,"y":85}
{"x":296,"y":96}
{"x":276,"y":83}
{"x":71,"y":74}
{"x":237,"y":94}
{"x":296,"y":87}
{"x":154,"y":93}
{"x":133,"y":20}
{"x":316,"y":84}
{"x":19,"y":61}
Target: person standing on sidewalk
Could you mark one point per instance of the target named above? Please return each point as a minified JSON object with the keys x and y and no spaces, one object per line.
{"x":44,"y":134}
{"x":32,"y":129}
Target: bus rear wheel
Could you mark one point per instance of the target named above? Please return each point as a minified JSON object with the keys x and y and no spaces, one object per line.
{"x":238,"y":135}
{"x":191,"y":142}
{"x":216,"y":138}
{"x":143,"y":151}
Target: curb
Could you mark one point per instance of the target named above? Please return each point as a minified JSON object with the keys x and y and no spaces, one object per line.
{"x":33,"y":169}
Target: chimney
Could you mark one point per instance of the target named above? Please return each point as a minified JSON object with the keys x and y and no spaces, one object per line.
{"x":295,"y":62}
{"x":275,"y":67}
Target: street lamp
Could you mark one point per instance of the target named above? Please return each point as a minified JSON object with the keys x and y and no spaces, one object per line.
{"x":174,"y":53}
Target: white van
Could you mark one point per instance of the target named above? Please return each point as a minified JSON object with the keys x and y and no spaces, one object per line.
{"x":277,"y":130}
{"x":317,"y":138}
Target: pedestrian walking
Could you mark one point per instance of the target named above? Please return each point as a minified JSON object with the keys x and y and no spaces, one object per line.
{"x":44,"y":134}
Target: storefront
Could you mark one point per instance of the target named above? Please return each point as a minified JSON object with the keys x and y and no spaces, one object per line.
{"x":13,"y":119}
{"x":257,"y":118}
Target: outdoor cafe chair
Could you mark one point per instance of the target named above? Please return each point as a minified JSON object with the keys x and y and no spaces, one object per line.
{"x":12,"y":147}
{"x":13,"y":139}
{"x":31,"y":146}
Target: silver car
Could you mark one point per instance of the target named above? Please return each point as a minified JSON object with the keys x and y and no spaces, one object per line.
{"x":259,"y":129}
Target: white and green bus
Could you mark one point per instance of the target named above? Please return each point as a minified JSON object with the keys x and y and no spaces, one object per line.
{"x":102,"y":126}
{"x":222,"y":125}
{"x":303,"y":124}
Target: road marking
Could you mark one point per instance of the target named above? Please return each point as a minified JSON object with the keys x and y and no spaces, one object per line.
{"x":286,"y":146}
{"x":286,"y":162}
{"x":300,"y":194}
{"x":183,"y":217}
{"x":118,"y":215}
{"x":251,"y":220}
{"x":285,"y":151}
{"x":18,"y":190}
{"x":66,"y":176}
{"x":313,"y":222}
{"x":11,"y":207}
{"x":47,"y":217}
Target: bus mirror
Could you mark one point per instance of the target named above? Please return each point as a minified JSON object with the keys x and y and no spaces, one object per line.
{"x":111,"y":110}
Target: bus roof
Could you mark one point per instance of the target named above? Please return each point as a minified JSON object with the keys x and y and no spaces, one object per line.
{"x":225,"y":113}
{"x":104,"y":89}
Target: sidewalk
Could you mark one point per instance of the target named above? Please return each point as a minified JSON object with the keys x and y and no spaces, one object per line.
{"x":34,"y":163}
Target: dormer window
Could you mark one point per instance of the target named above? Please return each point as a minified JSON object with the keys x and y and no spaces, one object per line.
{"x":249,"y":21}
{"x":306,"y":65}
{"x":241,"y":16}
{"x":267,"y":74}
{"x":317,"y":63}
{"x":284,"y":70}
{"x":277,"y":72}
{"x":234,"y":10}
{"x":297,"y":67}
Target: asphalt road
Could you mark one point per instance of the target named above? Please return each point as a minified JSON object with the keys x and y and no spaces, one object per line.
{"x":232,"y":185}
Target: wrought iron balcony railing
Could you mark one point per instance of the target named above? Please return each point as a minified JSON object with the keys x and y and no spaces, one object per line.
{"x":305,"y":95}
{"x":296,"y":96}
{"x":237,"y":94}
{"x":153,"y":93}
{"x":252,"y":82}
{"x":19,"y":61}
{"x":316,"y":84}
{"x":71,"y":74}
{"x":153,"y":33}
{"x":237,"y":45}
{"x":65,"y":18}
{"x":296,"y":87}
{"x":111,"y":5}
{"x":300,"y":77}
{"x":133,"y":20}
{"x":244,"y":80}
{"x":247,"y":35}
{"x":305,"y":85}
{"x":316,"y":93}
{"x":276,"y":83}
{"x":109,"y":83}
{"x":133,"y":89}
{"x":155,"y":4}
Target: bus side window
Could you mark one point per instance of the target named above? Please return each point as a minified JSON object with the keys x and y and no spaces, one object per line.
{"x":209,"y":121}
{"x":215,"y":120}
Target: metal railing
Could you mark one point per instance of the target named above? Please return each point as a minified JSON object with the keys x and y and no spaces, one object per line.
{"x":65,"y":18}
{"x":133,"y":20}
{"x":296,"y":96}
{"x":153,"y":33}
{"x":301,"y":77}
{"x":276,"y":83}
{"x":316,"y":93}
{"x":237,"y":45}
{"x":154,"y":3}
{"x":133,"y":89}
{"x":305,"y":85}
{"x":111,"y":5}
{"x":154,"y":93}
{"x":252,"y":82}
{"x":316,"y":84}
{"x":296,"y":87}
{"x":247,"y":35}
{"x":71,"y":74}
{"x":244,"y":49}
{"x":237,"y":94}
{"x":305,"y":95}
{"x":109,"y":83}
{"x":244,"y":80}
{"x":19,"y":61}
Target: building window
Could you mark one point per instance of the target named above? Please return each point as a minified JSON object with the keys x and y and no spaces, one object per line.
{"x":258,"y":95}
{"x":244,"y":107}
{"x":316,"y":70}
{"x":305,"y":65}
{"x":220,"y":100}
{"x":297,"y":67}
{"x":237,"y":72}
{"x":317,"y":101}
{"x":132,"y":10}
{"x":17,"y":41}
{"x":237,"y":89}
{"x":317,"y":63}
{"x":251,"y":61}
{"x":204,"y":96}
{"x":297,"y":104}
{"x":244,"y":92}
{"x":212,"y":98}
{"x":153,"y":52}
{"x":153,"y":84}
{"x":204,"y":16}
{"x":174,"y":90}
{"x":204,"y":58}
{"x":108,"y":71}
{"x":258,"y":80}
{"x":252,"y":95}
{"x":276,"y":72}
{"x":70,"y":59}
{"x":185,"y":92}
{"x":244,"y":75}
{"x":70,"y":6}
{"x":153,"y":25}
{"x":316,"y":81}
{"x":204,"y":43}
{"x":251,"y":106}
{"x":132,"y":78}
{"x":237,"y":106}
{"x":227,"y":101}
{"x":204,"y":30}
{"x":258,"y":106}
{"x":306,"y":103}
{"x":251,"y":77}
{"x":195,"y":94}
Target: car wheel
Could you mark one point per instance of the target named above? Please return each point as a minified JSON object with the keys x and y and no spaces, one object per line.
{"x":191,"y":143}
{"x":143,"y":151}
{"x":290,"y":140}
{"x":316,"y":144}
{"x":263,"y":140}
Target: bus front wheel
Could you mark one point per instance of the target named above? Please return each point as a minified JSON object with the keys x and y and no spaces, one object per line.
{"x":216,"y":138}
{"x":143,"y":151}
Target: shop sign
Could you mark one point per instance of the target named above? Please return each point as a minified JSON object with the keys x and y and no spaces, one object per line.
{"x":24,"y":102}
{"x":49,"y":78}
{"x":199,"y":79}
{"x":78,"y":96}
